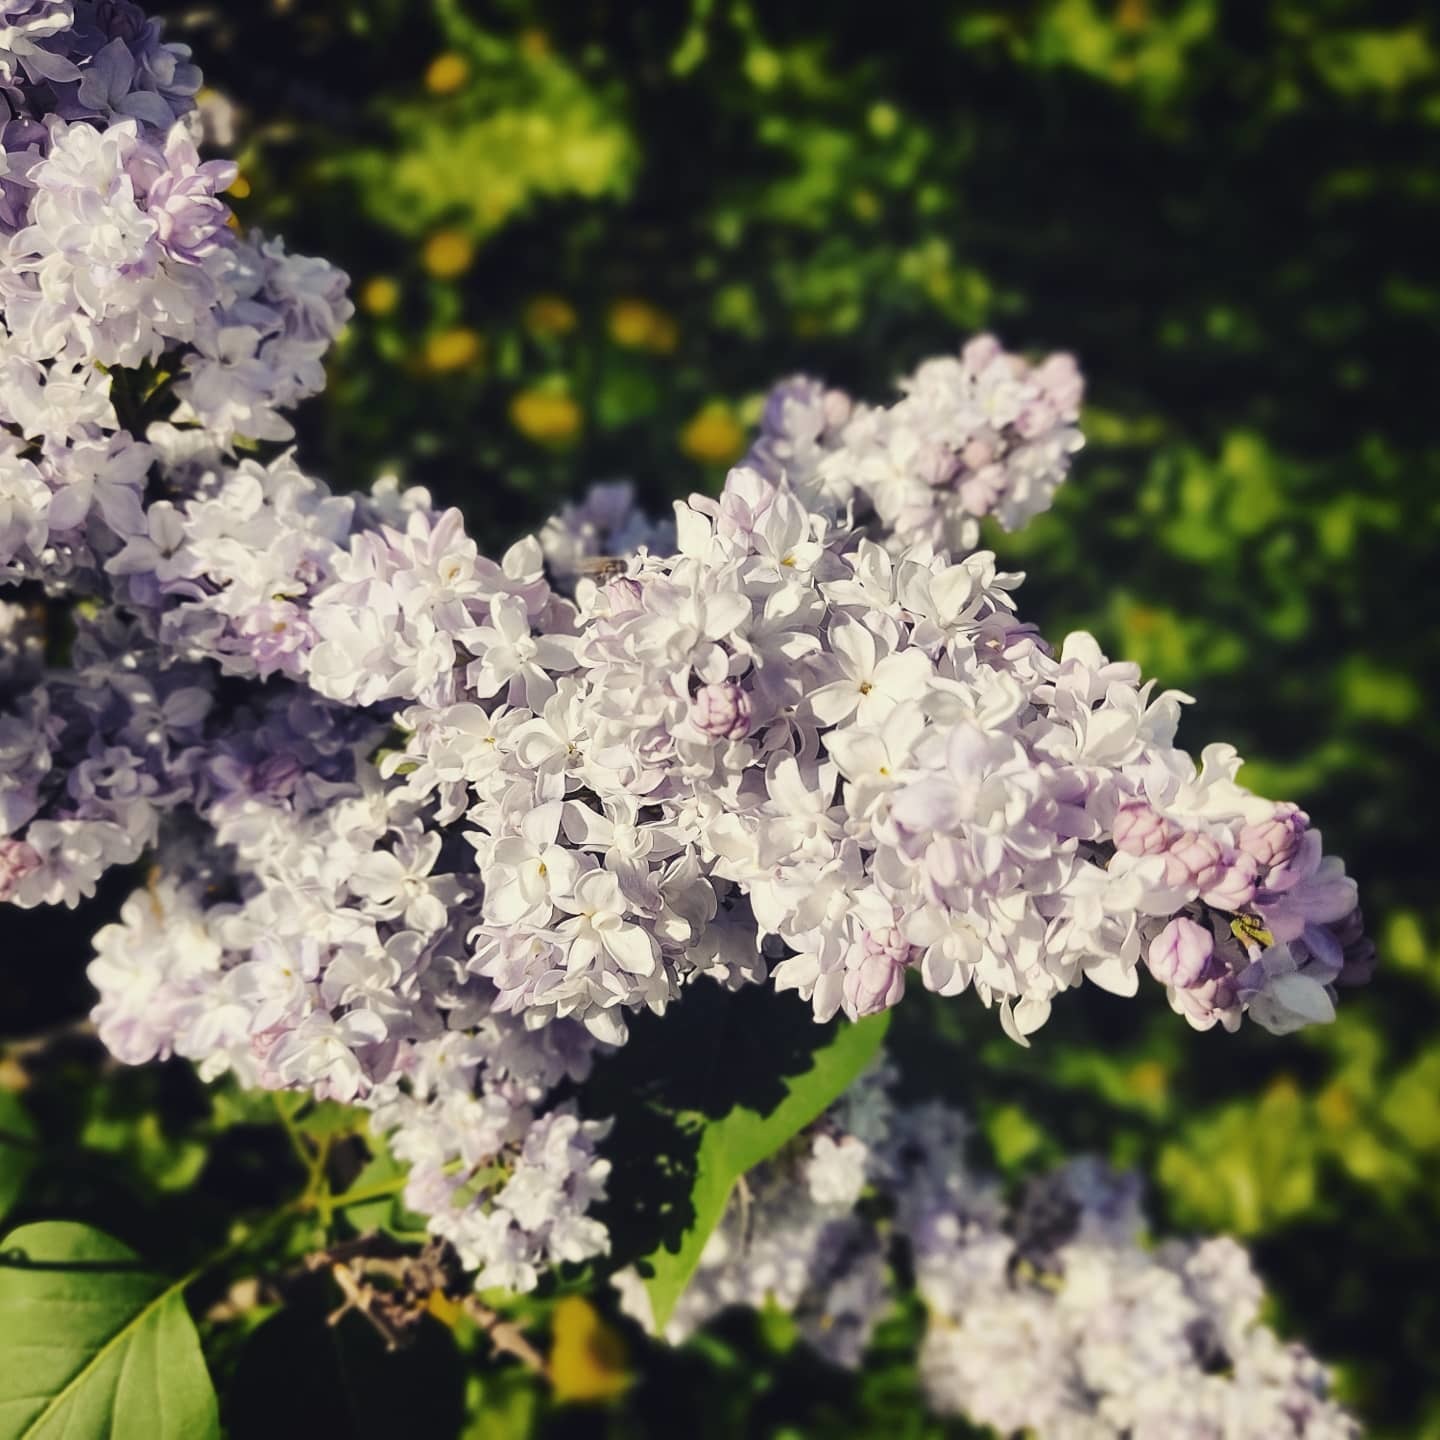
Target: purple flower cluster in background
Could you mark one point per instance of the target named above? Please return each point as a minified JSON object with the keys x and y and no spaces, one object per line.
{"x":1052,"y":1316}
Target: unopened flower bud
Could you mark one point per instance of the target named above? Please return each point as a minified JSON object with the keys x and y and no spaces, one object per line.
{"x":1140,"y":830}
{"x":1194,"y":859}
{"x":935,"y":464}
{"x":1060,"y":378}
{"x":977,"y":454}
{"x":979,"y":491}
{"x":1273,"y":841}
{"x":1215,"y":999}
{"x":888,"y":942}
{"x":1035,"y":419}
{"x":1235,"y":888}
{"x":18,"y":859}
{"x":1181,"y":953}
{"x":875,"y":984}
{"x":838,"y":408}
{"x":721,"y":711}
{"x":979,"y":352}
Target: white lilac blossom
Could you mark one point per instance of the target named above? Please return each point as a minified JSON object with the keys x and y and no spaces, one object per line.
{"x":786,"y":731}
{"x":119,"y":265}
{"x":1055,"y":1316}
{"x":422,"y":828}
{"x":985,"y":433}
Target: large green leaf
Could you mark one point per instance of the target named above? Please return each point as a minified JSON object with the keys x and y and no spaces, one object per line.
{"x":18,"y":1151}
{"x":94,"y":1343}
{"x":743,"y":1138}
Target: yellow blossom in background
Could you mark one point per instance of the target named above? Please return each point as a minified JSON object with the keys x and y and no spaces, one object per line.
{"x":380,"y":296}
{"x":884,"y":119}
{"x":550,"y":315}
{"x":865,"y":204}
{"x":1148,"y":1080}
{"x":714,"y":436}
{"x":639,"y":325}
{"x":448,"y":253}
{"x":535,"y":43}
{"x":588,"y":1359}
{"x":550,"y":417}
{"x":443,"y":1308}
{"x":447,"y":73}
{"x":1132,"y":15}
{"x":454,"y":349}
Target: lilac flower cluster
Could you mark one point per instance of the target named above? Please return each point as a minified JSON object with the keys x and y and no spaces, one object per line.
{"x":784,"y":748}
{"x":280,"y":936}
{"x":1052,"y":1316}
{"x":117,"y":254}
{"x":984,"y":433}
{"x":425,"y":827}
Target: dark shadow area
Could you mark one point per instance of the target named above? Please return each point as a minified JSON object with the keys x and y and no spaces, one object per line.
{"x":711,"y":1053}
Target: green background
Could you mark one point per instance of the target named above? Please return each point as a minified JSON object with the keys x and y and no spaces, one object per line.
{"x":586,"y":234}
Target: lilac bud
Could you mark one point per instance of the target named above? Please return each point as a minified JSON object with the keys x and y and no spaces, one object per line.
{"x":979,"y":491}
{"x":935,"y":464}
{"x":979,"y":352}
{"x":1273,"y":841}
{"x":1194,"y":859}
{"x":1211,"y":1000}
{"x":1180,"y":955}
{"x":838,"y":407}
{"x":1035,"y":419}
{"x":1140,"y":830}
{"x":721,"y":711}
{"x":1235,"y":888}
{"x":888,"y":942}
{"x":1060,"y":378}
{"x":875,"y":984}
{"x":977,"y":454}
{"x":17,"y":860}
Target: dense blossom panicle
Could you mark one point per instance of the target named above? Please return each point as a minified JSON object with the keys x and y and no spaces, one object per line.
{"x":417,"y":830}
{"x":1052,"y":1316}
{"x":985,"y":433}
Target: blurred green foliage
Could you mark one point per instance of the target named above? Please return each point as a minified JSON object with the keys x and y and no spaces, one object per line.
{"x":584,"y":238}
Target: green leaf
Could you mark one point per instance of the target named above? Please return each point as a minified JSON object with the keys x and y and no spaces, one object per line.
{"x":744,"y":1138}
{"x":327,"y":1119}
{"x":95,"y":1343}
{"x":382,"y":1178}
{"x":18,"y":1151}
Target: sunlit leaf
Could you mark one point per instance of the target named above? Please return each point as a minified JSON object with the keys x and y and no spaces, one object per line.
{"x":95,"y":1343}
{"x":743,"y":1138}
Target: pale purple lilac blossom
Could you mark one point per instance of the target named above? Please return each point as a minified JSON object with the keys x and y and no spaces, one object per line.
{"x":456,"y":818}
{"x":1053,"y":1316}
